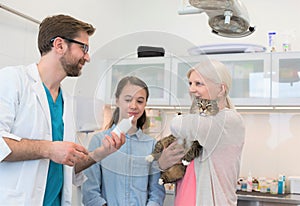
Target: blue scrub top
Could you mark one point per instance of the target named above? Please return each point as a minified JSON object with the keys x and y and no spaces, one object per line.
{"x":55,"y":176}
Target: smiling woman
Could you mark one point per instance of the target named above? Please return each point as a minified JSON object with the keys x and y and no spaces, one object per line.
{"x":219,"y":134}
{"x":126,"y":172}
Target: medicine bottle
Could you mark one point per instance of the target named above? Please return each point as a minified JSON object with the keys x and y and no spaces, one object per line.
{"x":274,"y":187}
{"x":255,"y":185}
{"x":249,"y":182}
{"x":281,"y":184}
{"x":263,"y":185}
{"x":123,"y":126}
{"x":272,"y":41}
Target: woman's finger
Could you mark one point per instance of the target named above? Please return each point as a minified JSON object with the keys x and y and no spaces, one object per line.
{"x":110,"y":140}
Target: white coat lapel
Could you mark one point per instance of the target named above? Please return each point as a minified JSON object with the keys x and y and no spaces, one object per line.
{"x":68,"y":117}
{"x":39,"y":90}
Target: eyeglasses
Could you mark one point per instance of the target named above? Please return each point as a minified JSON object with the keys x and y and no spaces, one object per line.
{"x":85,"y":47}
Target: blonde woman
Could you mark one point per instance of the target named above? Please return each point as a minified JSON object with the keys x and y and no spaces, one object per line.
{"x":211,"y":178}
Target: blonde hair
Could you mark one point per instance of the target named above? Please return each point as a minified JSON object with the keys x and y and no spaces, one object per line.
{"x":218,"y":73}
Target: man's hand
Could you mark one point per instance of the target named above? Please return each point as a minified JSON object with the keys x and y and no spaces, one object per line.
{"x":67,"y":153}
{"x":171,"y":156}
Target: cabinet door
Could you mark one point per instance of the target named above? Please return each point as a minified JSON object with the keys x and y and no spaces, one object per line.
{"x":155,"y":72}
{"x":285,"y":78}
{"x":251,"y":81}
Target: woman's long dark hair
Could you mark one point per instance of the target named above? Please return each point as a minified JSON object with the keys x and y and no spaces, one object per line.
{"x":122,"y":83}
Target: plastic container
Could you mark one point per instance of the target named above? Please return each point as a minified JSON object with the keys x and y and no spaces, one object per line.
{"x":239,"y":184}
{"x":263,"y":185}
{"x":244,"y":186}
{"x":255,"y":185}
{"x":123,"y":126}
{"x":281,"y":184}
{"x":272,"y":41}
{"x":294,"y":184}
{"x":274,"y":187}
{"x":286,"y":44}
{"x":249,"y":182}
{"x":269,"y":182}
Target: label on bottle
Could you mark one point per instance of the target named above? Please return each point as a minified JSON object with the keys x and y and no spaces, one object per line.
{"x":249,"y":185}
{"x":244,"y":186}
{"x":272,"y":41}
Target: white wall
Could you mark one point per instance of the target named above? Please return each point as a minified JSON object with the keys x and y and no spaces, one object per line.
{"x":271,"y":144}
{"x":267,"y":149}
{"x":117,"y":18}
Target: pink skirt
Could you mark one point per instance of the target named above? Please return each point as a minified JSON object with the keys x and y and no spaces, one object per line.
{"x":186,"y":188}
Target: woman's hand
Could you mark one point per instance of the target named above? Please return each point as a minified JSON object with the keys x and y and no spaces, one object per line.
{"x":171,"y":155}
{"x":109,"y":145}
{"x":113,"y":143}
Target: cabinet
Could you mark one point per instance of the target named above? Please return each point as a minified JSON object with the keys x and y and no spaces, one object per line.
{"x":251,"y":74}
{"x":285,"y":78}
{"x":154,"y":71}
{"x":258,"y":79}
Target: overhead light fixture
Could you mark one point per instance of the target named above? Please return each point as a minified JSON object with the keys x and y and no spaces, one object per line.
{"x":228,"y":15}
{"x":227,"y":18}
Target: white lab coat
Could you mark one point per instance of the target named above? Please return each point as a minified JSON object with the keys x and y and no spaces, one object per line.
{"x":24,"y":113}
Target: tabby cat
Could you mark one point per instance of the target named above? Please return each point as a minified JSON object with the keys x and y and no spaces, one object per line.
{"x":204,"y":106}
{"x":177,"y":171}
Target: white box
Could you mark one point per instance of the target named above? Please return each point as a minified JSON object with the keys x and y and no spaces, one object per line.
{"x":294,"y":184}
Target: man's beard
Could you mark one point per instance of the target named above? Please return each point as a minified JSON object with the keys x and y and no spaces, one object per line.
{"x":71,"y":69}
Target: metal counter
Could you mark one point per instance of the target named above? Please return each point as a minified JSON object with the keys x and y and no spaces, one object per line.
{"x":267,"y":199}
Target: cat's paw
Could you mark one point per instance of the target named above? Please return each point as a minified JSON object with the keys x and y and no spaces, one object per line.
{"x":149,"y":158}
{"x":160,"y":181}
{"x":185,"y":163}
{"x":203,"y":114}
{"x":180,"y":141}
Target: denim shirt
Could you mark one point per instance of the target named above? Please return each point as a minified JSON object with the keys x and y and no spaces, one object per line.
{"x":124,"y":177}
